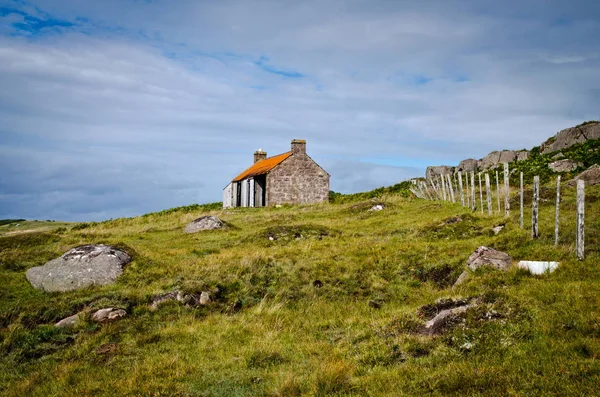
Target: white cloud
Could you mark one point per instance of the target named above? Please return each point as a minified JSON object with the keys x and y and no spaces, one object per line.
{"x":398,"y":84}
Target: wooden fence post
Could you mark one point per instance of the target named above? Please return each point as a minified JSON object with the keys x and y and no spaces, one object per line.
{"x":460,"y":187}
{"x":473,"y":203}
{"x":534,"y":213}
{"x":451,"y":187}
{"x":443,"y":186}
{"x":521,"y":201}
{"x":480,"y":193}
{"x":488,"y":192}
{"x":580,"y":219}
{"x":467,"y":194}
{"x":498,"y":190}
{"x":557,"y":210}
{"x":506,"y":190}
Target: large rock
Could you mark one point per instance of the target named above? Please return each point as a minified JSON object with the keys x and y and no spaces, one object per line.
{"x":565,"y":165}
{"x":571,"y":136}
{"x":484,"y":256}
{"x":78,"y":268}
{"x":467,"y":165}
{"x":206,"y":222}
{"x":496,"y":157}
{"x":434,"y":171}
{"x":522,"y":155}
{"x":591,"y":176}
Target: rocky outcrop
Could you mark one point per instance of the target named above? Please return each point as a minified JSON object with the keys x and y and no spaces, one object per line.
{"x":571,"y":136}
{"x":78,"y":268}
{"x":434,"y":171}
{"x":204,"y":223}
{"x":495,"y":158}
{"x":522,"y":155}
{"x":591,"y":176}
{"x":467,"y":165}
{"x":565,"y":165}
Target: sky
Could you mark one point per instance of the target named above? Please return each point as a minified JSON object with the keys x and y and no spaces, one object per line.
{"x":116,"y":108}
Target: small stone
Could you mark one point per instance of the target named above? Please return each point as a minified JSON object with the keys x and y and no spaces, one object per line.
{"x":69,"y":322}
{"x":205,"y":298}
{"x":377,"y":207}
{"x":436,"y":325}
{"x":108,"y":314}
{"x":497,"y":229}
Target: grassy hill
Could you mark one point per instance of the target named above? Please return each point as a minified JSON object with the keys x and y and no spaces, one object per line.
{"x":328,"y":308}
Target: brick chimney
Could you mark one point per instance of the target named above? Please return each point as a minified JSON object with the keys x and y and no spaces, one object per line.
{"x":298,"y":146}
{"x":259,"y":155}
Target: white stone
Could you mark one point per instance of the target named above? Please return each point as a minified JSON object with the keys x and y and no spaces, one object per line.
{"x":538,"y":267}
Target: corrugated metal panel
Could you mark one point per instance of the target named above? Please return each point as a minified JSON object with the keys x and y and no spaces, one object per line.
{"x":228,"y":196}
{"x":251,"y":192}
{"x":244,"y":194}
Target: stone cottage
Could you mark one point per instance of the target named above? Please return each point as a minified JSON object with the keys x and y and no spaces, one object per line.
{"x":288,"y":178}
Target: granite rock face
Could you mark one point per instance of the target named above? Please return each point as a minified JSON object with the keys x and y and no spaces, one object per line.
{"x":591,"y":176}
{"x":522,"y":155}
{"x":438,"y":170}
{"x":496,"y":157}
{"x":571,"y":136}
{"x":78,"y":268}
{"x":204,"y":223}
{"x":467,"y":165}
{"x":564,"y":165}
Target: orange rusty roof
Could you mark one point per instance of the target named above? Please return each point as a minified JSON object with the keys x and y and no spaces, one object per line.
{"x":263,"y":166}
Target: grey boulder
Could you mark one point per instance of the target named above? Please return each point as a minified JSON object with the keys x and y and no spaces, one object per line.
{"x":70,"y":321}
{"x":591,"y":176}
{"x":78,"y":268}
{"x":206,"y":222}
{"x":434,"y":171}
{"x":564,"y":165}
{"x":484,"y":256}
{"x":467,"y":165}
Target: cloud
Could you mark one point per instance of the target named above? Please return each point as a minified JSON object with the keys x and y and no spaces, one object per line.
{"x":115,"y":110}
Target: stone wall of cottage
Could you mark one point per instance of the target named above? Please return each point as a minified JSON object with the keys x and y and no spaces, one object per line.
{"x":298,"y":180}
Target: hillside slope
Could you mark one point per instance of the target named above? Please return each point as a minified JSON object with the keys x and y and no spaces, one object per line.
{"x":329,"y":307}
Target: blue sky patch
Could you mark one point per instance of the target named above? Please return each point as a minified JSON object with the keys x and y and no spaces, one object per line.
{"x":263,"y":64}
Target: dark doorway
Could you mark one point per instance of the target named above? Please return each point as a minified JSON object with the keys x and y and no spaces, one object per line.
{"x":238,"y":195}
{"x":260,"y":190}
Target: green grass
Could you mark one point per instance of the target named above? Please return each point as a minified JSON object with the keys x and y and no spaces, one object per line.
{"x":9,"y":226}
{"x":272,"y":330}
